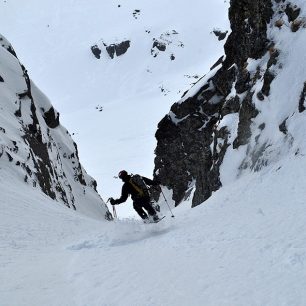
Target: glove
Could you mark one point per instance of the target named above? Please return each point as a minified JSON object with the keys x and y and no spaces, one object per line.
{"x":112,"y":201}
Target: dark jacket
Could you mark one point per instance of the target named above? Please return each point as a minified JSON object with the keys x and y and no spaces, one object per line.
{"x":128,"y":189}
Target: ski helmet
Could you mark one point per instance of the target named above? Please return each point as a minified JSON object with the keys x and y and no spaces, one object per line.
{"x":122,"y":174}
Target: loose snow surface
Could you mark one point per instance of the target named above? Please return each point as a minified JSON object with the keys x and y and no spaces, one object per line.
{"x":246,"y":246}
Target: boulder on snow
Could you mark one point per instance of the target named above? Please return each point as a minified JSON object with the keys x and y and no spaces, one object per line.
{"x":96,"y":51}
{"x":297,"y":24}
{"x":136,"y":13}
{"x":161,"y":46}
{"x":292,"y":12}
{"x":118,"y":49}
{"x":279,"y":23}
{"x":164,"y":40}
{"x":115,"y":49}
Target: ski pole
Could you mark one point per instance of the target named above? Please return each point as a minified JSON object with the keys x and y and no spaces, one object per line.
{"x":172,"y":215}
{"x":114,"y":209}
{"x":114,"y":212}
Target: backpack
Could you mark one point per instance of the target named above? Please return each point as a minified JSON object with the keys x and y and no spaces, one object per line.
{"x":139,"y":185}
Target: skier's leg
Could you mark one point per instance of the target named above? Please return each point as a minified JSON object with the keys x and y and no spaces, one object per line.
{"x":146,"y":204}
{"x":140,"y":211}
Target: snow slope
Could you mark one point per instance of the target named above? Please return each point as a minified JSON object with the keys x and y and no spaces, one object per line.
{"x":246,"y":246}
{"x":135,"y":90}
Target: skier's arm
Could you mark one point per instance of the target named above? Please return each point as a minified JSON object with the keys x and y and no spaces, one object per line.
{"x":150,"y":182}
{"x":124,"y":196}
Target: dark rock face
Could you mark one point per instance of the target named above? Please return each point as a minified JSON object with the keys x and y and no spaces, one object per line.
{"x":52,"y":118}
{"x":247,"y":112}
{"x":39,"y":149}
{"x":183,"y":151}
{"x":1,"y":79}
{"x":230,"y":106}
{"x":248,"y":38}
{"x":268,"y":78}
{"x":217,"y":63}
{"x":190,"y":148}
{"x":302,"y":99}
{"x":283,"y":127}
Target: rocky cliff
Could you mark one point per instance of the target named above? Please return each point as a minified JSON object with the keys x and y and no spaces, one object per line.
{"x":33,"y":144}
{"x":229,"y":111}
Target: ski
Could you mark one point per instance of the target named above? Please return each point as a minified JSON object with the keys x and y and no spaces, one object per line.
{"x":146,"y":221}
{"x":158,"y":220}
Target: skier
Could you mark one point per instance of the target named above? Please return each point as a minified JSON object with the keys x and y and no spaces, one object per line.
{"x":136,"y":187}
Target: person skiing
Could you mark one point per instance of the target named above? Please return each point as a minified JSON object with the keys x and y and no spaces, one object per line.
{"x":136,"y":187}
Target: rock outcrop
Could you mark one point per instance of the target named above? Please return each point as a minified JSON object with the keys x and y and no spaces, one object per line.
{"x":96,"y":51}
{"x":190,"y":142}
{"x":115,"y":49}
{"x":118,"y":49}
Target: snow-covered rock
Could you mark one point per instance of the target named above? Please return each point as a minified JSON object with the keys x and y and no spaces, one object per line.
{"x":34,"y":147}
{"x":247,"y":112}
